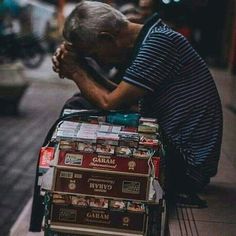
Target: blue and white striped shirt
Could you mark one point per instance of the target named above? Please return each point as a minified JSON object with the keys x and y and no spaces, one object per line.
{"x":182,"y":96}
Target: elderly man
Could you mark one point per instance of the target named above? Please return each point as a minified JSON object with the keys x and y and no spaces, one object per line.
{"x":164,"y":74}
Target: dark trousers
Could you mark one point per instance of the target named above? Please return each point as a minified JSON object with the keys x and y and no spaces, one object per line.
{"x":77,"y":102}
{"x":176,"y":178}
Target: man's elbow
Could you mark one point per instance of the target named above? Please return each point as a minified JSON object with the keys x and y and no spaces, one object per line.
{"x":106,"y":104}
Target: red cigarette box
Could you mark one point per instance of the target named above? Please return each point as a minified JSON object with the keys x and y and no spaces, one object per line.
{"x":104,"y":162}
{"x":102,"y":183}
{"x":46,"y":156}
{"x":105,"y":219}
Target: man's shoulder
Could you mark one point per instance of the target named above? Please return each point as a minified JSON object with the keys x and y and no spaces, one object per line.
{"x":166,"y":32}
{"x":163,"y":36}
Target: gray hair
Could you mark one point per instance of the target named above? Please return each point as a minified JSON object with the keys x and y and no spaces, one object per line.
{"x":88,"y":19}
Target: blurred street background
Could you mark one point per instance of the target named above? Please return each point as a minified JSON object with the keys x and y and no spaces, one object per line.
{"x":32,"y":96}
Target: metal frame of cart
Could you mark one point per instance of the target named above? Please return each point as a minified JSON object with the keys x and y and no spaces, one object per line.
{"x":158,"y":216}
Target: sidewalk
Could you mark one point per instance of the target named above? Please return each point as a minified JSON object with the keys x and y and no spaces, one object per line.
{"x":219,"y":219}
{"x":21,"y":137}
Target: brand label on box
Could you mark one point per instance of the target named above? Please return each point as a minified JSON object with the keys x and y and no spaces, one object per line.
{"x":67,"y":215}
{"x":73,"y":159}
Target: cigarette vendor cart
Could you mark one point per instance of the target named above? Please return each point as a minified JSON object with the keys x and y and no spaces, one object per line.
{"x":101,"y":173}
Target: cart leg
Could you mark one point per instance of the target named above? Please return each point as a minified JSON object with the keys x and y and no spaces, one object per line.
{"x":37,"y":209}
{"x":158,"y":220}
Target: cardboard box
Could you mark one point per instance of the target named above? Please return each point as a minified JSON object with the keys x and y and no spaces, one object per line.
{"x":63,"y":230}
{"x":102,"y":183}
{"x":105,"y":219}
{"x":109,"y":163}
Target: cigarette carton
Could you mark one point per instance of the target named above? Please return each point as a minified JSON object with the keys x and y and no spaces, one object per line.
{"x":109,"y":163}
{"x":98,"y":216}
{"x":101,"y":183}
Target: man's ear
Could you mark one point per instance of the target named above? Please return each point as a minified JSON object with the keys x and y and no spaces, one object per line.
{"x":106,"y":38}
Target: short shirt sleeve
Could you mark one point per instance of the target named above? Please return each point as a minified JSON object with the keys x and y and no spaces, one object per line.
{"x":154,"y":62}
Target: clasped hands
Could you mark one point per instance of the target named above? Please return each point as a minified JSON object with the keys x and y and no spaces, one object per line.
{"x":64,"y":62}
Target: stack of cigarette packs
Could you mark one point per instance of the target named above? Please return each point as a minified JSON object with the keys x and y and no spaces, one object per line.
{"x":101,"y":177}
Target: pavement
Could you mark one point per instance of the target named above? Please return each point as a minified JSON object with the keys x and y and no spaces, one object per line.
{"x":21,"y":137}
{"x":39,"y":108}
{"x":219,"y":219}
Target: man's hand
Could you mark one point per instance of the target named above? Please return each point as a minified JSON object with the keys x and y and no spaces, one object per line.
{"x":125,"y":94}
{"x":64,"y":62}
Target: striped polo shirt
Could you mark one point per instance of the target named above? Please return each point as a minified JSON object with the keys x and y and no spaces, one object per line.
{"x":181,"y":94}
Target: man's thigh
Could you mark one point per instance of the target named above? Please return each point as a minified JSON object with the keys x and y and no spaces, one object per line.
{"x":78,"y":102}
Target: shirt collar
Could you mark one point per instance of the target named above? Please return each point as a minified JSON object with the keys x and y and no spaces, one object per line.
{"x":144,"y":31}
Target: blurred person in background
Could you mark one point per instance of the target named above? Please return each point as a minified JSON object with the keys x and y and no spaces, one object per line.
{"x":164,"y":76}
{"x":139,"y":13}
{"x":10,"y":29}
{"x":146,"y":9}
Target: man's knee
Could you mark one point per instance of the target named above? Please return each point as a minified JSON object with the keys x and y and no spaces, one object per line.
{"x":77,"y":102}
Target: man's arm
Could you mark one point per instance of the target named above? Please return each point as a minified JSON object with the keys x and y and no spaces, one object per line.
{"x":94,"y":71}
{"x":123,"y":96}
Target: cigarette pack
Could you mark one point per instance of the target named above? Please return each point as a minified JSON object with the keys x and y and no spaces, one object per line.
{"x":65,"y":135}
{"x":67,"y":130}
{"x":156,"y":166}
{"x":117,"y":205}
{"x":101,"y":183}
{"x":142,"y":153}
{"x":107,"y":138}
{"x":68,"y":145}
{"x":135,"y":207}
{"x":105,"y":149}
{"x":129,"y":129}
{"x":86,"y":147}
{"x":123,"y":151}
{"x":146,"y":119}
{"x":110,"y":128}
{"x":129,"y":139}
{"x":149,"y":136}
{"x":148,"y":125}
{"x":147,"y":128}
{"x":149,"y":143}
{"x":46,"y":156}
{"x":71,"y":124}
{"x":87,"y":132}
